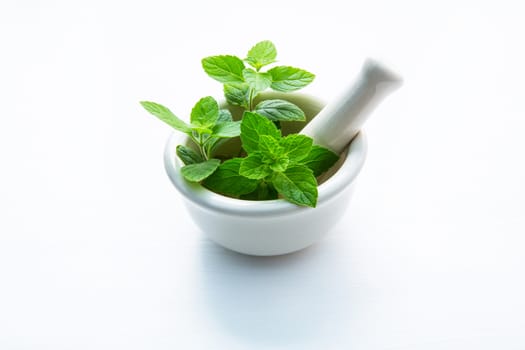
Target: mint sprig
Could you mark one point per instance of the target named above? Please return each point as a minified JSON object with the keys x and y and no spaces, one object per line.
{"x":261,"y":54}
{"x":164,"y":114}
{"x":226,"y":180}
{"x":280,"y":110}
{"x":224,"y":68}
{"x":243,"y":84}
{"x":286,"y":79}
{"x":208,"y":126}
{"x":274,"y":165}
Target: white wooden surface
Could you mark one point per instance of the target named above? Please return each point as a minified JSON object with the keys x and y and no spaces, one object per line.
{"x":96,"y":250}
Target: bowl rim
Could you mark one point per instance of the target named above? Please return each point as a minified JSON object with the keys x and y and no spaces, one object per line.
{"x":199,"y":195}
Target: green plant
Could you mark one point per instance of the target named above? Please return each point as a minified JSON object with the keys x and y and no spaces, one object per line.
{"x":274,"y":165}
{"x":208,"y":125}
{"x":242,"y":85}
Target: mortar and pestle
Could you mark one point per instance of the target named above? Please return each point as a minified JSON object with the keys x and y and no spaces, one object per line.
{"x":276,"y":227}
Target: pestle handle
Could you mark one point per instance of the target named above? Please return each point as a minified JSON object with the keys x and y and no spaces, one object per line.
{"x":338,"y":123}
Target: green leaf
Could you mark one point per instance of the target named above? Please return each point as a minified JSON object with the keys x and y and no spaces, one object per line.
{"x":226,"y":180}
{"x":258,"y":81}
{"x":285,"y":78}
{"x":164,"y":114}
{"x":253,"y":167}
{"x":224,"y":68}
{"x":262,"y":54}
{"x":212,"y":143}
{"x":280,"y":164}
{"x":199,"y":171}
{"x":225,"y":116}
{"x":297,"y":184}
{"x":227,"y":129}
{"x":280,"y":110}
{"x":252,"y":127}
{"x":201,"y":130}
{"x":272,"y":153}
{"x":320,"y":159}
{"x":188,"y":155}
{"x":264,"y":191}
{"x":237,"y":94}
{"x":296,"y":146}
{"x":269,"y":146}
{"x":205,"y":113}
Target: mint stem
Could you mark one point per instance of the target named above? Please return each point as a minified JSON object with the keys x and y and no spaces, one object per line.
{"x":250,"y":102}
{"x":202,"y":148}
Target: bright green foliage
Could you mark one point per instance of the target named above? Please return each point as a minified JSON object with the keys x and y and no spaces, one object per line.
{"x":273,"y":166}
{"x":224,"y":68}
{"x":287,"y":79}
{"x":256,"y":80}
{"x":262,"y":54}
{"x":297,"y":147}
{"x":264,"y":191}
{"x":188,"y":155}
{"x":269,"y":146}
{"x":226,"y":180}
{"x":280,"y":110}
{"x":227,"y":129}
{"x":252,"y":127}
{"x":199,"y":171}
{"x":208,"y":125}
{"x":237,"y":94}
{"x":320,"y":159}
{"x":280,"y":164}
{"x":242,"y":85}
{"x":166,"y":116}
{"x":254,"y":167}
{"x":205,"y":113}
{"x":225,"y":116}
{"x":297,"y":184}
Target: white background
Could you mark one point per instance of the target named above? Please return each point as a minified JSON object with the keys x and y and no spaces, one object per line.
{"x":96,"y":250}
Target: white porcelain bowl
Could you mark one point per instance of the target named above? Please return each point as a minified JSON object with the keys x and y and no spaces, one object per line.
{"x":270,"y":227}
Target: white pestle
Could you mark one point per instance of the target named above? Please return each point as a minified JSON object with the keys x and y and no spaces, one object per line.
{"x":338,"y":123}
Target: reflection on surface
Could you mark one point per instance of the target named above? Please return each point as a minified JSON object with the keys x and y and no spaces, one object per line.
{"x":278,"y":300}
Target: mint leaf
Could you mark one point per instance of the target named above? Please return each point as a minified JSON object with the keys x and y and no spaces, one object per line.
{"x":205,"y":113}
{"x":273,"y":154}
{"x":199,"y":171}
{"x":224,"y":129}
{"x":237,"y":94}
{"x":280,"y":110}
{"x":226,"y":180}
{"x":253,"y":167}
{"x":225,"y":116}
{"x":258,"y":81}
{"x":224,"y":68}
{"x":252,"y":127}
{"x":296,"y":146}
{"x":264,"y":191}
{"x":227,"y":129}
{"x":297,"y":184}
{"x":269,"y":146}
{"x":261,"y":54}
{"x":285,"y":78}
{"x":320,"y":159}
{"x":261,"y":164}
{"x":164,"y":114}
{"x":188,"y":155}
{"x":275,"y":166}
{"x":280,"y":164}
